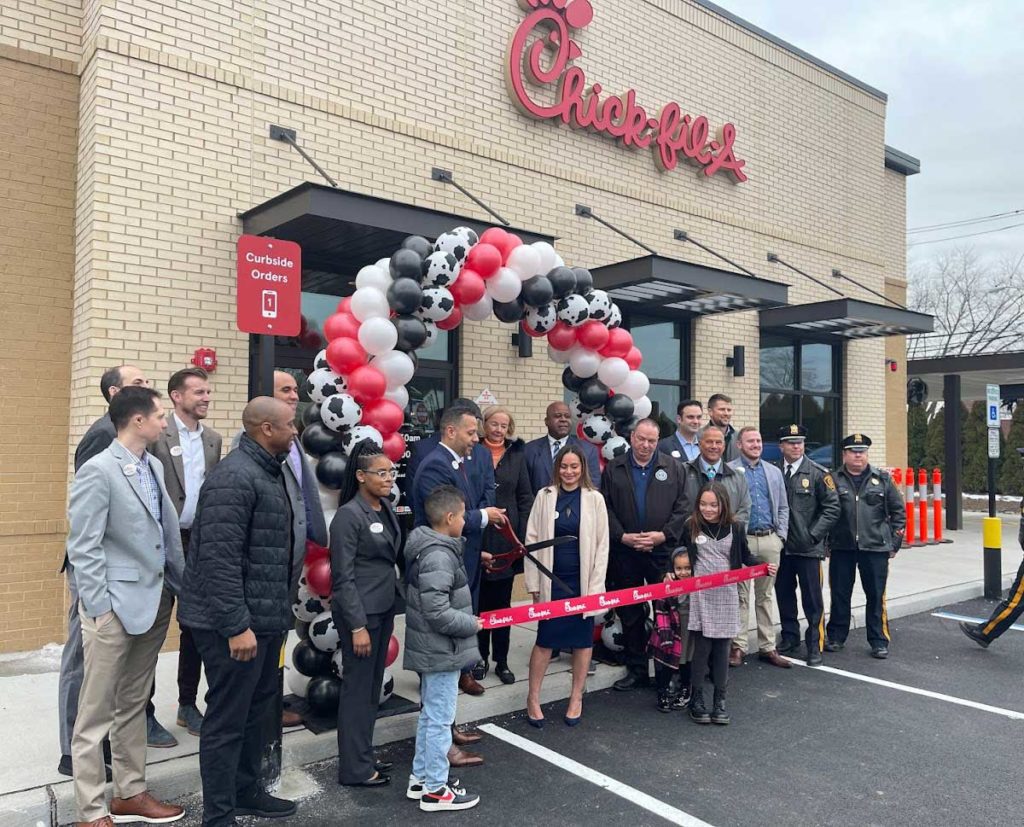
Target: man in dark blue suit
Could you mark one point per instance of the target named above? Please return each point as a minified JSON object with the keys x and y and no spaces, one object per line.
{"x":540,"y":453}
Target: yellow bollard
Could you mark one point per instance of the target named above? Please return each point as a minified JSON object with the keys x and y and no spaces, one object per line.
{"x":992,"y":541}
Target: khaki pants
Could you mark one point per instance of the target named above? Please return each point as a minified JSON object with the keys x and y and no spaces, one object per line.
{"x":119,"y":670}
{"x":769,"y":549}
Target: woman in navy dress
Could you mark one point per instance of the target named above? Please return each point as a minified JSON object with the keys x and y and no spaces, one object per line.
{"x":570,"y":506}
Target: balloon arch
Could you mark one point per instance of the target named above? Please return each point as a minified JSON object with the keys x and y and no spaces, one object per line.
{"x":358,"y":381}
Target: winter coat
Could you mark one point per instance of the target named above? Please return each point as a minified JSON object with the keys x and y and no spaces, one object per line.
{"x":872,"y":518}
{"x":440,"y":629}
{"x":513,"y":493}
{"x":238,"y":568}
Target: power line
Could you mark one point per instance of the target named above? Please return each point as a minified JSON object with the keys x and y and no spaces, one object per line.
{"x":963,"y":222}
{"x":968,"y":235}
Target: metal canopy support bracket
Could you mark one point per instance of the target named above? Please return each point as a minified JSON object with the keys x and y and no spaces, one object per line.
{"x":774,"y":259}
{"x":291,"y":137}
{"x":583,"y":211}
{"x":839,"y":274}
{"x":446,"y":176}
{"x":682,"y":235}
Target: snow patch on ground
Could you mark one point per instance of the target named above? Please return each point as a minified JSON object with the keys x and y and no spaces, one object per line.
{"x":38,"y":662}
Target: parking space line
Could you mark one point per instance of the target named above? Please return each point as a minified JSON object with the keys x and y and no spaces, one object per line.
{"x":671,"y":814}
{"x":913,"y":690}
{"x":1016,"y":627}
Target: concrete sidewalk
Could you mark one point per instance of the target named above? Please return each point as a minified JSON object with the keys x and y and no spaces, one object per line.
{"x":920,"y":579}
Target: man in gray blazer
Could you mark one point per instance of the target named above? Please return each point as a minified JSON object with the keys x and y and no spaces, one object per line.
{"x":767,"y":528}
{"x":188,"y":451}
{"x":126,"y":552}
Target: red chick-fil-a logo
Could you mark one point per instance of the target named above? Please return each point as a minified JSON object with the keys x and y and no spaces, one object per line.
{"x":542,"y":40}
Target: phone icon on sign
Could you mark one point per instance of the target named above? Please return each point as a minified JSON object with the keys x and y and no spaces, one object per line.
{"x":269,"y":304}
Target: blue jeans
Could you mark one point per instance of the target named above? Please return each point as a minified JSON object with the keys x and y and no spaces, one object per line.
{"x":438,"y":693}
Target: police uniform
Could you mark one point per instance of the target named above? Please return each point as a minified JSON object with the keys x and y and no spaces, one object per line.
{"x":869,"y":530}
{"x":813,"y":510}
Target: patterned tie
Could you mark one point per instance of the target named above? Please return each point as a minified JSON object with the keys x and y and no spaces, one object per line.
{"x":556,"y":446}
{"x":711,"y":473}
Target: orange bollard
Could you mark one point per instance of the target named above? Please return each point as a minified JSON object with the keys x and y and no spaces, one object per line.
{"x":908,"y":479}
{"x":937,"y":505}
{"x":897,"y":477}
{"x":922,"y":506}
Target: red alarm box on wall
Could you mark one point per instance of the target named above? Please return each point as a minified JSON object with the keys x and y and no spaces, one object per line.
{"x":205,"y":358}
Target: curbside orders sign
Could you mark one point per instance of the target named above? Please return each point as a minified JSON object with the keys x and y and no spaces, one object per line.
{"x":269,"y":286}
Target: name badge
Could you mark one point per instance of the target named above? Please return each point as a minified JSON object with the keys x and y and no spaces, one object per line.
{"x":874,"y":481}
{"x":376,"y":528}
{"x":676,"y":454}
{"x":661,"y":475}
{"x":701,"y":540}
{"x":556,"y":515}
{"x":176,"y":451}
{"x":455,"y":464}
{"x":130,"y":470}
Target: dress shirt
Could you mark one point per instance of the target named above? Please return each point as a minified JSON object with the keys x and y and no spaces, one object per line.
{"x":295,"y":460}
{"x":641,"y":479}
{"x":556,"y":445}
{"x":705,"y":469}
{"x":462,"y":469}
{"x":760,"y":502}
{"x":690,"y":449}
{"x":193,"y":460}
{"x":150,"y":488}
{"x":787,"y":468}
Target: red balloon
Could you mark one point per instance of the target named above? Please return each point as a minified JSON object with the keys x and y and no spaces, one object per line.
{"x":496,"y":236}
{"x":563,"y":336}
{"x":345,"y":305}
{"x":315,"y":552}
{"x":454,"y":320}
{"x":529,"y":331}
{"x":345,"y":355}
{"x":394,"y":446}
{"x":366,"y":384}
{"x":619,"y":343}
{"x":485,"y":259}
{"x":392,"y":654}
{"x":384,"y":415}
{"x":597,"y":632}
{"x":513,"y":242}
{"x":318,"y":575}
{"x":469,"y":287}
{"x":593,"y":335}
{"x":634,"y":358}
{"x":339,"y":325}
{"x":580,"y":434}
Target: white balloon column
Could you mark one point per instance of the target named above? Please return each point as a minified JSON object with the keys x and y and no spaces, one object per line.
{"x":358,"y":381}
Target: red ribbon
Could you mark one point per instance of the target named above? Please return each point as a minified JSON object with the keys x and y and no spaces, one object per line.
{"x":613,"y":600}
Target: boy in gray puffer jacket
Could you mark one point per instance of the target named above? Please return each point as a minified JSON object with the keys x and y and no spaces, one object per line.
{"x":440,"y":639}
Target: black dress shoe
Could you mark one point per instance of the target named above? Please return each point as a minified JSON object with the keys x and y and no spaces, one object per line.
{"x":834,"y":646}
{"x":504,"y":673}
{"x":630,"y":682}
{"x":880,"y":652}
{"x":972,"y":632}
{"x":265,"y":805}
{"x":383,"y":766}
{"x":788,"y":647}
{"x":379,"y":780}
{"x":814,"y":657}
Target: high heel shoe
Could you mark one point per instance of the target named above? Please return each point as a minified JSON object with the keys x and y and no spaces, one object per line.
{"x":537,"y":723}
{"x":573,"y":721}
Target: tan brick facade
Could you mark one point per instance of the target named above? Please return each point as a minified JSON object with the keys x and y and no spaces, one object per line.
{"x":175,"y":101}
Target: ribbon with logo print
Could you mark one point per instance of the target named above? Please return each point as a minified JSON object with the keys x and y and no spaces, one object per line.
{"x":617,"y":599}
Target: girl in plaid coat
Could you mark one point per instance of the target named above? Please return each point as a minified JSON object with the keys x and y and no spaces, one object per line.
{"x":670,"y":644}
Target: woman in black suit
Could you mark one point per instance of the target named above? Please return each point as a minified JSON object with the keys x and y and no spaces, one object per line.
{"x":366,"y":541}
{"x":513,"y":493}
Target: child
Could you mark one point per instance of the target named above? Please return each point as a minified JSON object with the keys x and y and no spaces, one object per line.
{"x":670,"y":639}
{"x":440,"y":639}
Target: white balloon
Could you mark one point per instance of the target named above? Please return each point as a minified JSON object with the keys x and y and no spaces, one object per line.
{"x":505,"y":285}
{"x":396,"y":366}
{"x":369,"y":303}
{"x":297,"y":682}
{"x":559,"y":357}
{"x":559,"y":261}
{"x":399,"y":395}
{"x":384,"y":264}
{"x":642,"y":407}
{"x":377,"y":335}
{"x":547,"y":255}
{"x":636,"y":385}
{"x":584,"y":363}
{"x":481,"y":310}
{"x":613,"y":371}
{"x":524,"y":261}
{"x":373,"y":276}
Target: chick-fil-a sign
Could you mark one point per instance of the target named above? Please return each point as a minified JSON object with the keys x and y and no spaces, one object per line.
{"x":540,"y":53}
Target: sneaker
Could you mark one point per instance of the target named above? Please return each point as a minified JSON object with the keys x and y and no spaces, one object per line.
{"x":592,"y":667}
{"x":265,"y":805}
{"x":190,"y":718}
{"x":414,"y":792}
{"x":157,"y":736}
{"x":481,"y":669}
{"x":664,"y":702}
{"x":681,"y":700}
{"x":447,"y":799}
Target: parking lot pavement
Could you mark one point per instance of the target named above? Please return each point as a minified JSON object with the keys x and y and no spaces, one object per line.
{"x":805,"y":747}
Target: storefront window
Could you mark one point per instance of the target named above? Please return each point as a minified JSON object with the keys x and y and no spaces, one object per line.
{"x":816,"y":367}
{"x":665,"y":345}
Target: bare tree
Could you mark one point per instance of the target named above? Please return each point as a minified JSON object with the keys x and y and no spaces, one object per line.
{"x":978,"y":305}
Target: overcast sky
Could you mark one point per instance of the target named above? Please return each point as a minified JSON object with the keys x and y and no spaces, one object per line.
{"x":954,"y":74}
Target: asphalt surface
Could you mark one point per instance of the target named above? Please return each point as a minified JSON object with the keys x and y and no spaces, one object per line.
{"x":805,"y":747}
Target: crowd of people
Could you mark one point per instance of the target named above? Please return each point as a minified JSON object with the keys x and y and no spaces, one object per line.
{"x":157,"y":515}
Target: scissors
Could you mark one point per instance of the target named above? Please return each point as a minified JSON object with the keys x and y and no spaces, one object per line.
{"x":505,"y":560}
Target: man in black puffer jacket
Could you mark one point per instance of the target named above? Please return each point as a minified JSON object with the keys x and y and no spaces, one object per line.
{"x":236,"y":602}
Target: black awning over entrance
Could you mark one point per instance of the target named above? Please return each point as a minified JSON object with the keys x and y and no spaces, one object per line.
{"x":341,"y":231}
{"x":658,"y":283}
{"x":845,"y":319}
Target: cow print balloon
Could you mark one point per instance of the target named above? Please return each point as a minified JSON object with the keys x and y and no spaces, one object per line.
{"x":322,"y":383}
{"x":614,"y":318}
{"x":600,"y":305}
{"x":320,"y":362}
{"x":340,"y":411}
{"x":598,"y":428}
{"x":440,"y":269}
{"x":353,"y":436}
{"x":432,"y":333}
{"x":438,"y":304}
{"x":323,"y":634}
{"x":457,"y":242}
{"x":573,"y":310}
{"x":541,"y":319}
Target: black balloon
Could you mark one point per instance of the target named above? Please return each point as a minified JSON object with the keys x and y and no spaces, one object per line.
{"x":508,"y":311}
{"x":619,"y":407}
{"x":323,"y":694}
{"x":404,"y":296}
{"x":302,"y":630}
{"x":627,"y":426}
{"x":311,"y":414}
{"x":571,"y":381}
{"x":593,"y":393}
{"x":412,"y":333}
{"x":537,"y":291}
{"x":563,"y":281}
{"x":584,"y":280}
{"x":330,"y":470}
{"x":419,"y":245}
{"x":318,"y":439}
{"x":310,"y":661}
{"x":406,"y":264}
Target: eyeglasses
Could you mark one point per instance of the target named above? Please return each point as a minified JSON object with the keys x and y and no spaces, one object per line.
{"x":384,"y":473}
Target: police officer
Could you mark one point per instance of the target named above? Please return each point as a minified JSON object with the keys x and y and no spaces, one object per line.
{"x":813,"y":510}
{"x":869,"y":532}
{"x":1009,"y":609}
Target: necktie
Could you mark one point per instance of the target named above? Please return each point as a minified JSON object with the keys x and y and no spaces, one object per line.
{"x":556,"y":446}
{"x":711,"y":473}
{"x":789,"y":473}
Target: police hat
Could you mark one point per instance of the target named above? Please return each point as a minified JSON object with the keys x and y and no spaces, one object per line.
{"x":856,"y":442}
{"x":792,"y":433}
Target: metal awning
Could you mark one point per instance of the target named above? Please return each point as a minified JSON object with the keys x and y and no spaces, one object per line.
{"x":658,"y":283}
{"x":846,"y":319}
{"x":341,"y":231}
